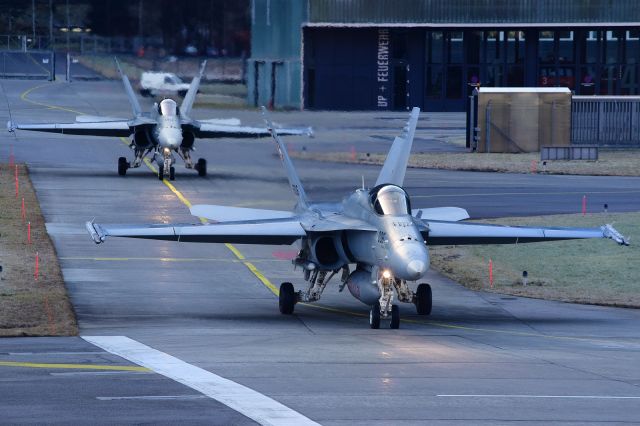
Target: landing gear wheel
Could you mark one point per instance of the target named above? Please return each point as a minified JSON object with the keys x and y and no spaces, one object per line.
{"x":287,"y":299}
{"x":161,"y":172}
{"x":122,"y":166}
{"x":374,"y":316}
{"x":172,"y":173}
{"x":201,"y":167}
{"x":423,"y":300}
{"x":395,"y":317}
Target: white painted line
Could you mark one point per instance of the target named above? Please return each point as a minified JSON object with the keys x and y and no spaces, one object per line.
{"x":150,"y":397}
{"x":543,"y":396}
{"x":248,"y":402}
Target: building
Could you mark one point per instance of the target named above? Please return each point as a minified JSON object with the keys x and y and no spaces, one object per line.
{"x":393,"y":54}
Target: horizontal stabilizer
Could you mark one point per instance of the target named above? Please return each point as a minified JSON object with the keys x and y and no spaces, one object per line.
{"x":452,"y":214}
{"x":233,"y":214}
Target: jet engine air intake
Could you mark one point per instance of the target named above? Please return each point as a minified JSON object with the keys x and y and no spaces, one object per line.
{"x":187,"y":140}
{"x":328,"y":252}
{"x":142,"y":139}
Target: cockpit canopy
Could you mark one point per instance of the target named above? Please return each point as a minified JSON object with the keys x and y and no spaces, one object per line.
{"x":168,"y":107}
{"x":390,"y":200}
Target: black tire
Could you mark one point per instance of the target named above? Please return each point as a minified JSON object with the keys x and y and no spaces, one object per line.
{"x":172,"y":173}
{"x":287,"y":299}
{"x":201,"y":167}
{"x":374,"y":316}
{"x":395,"y":317}
{"x":145,"y":92}
{"x":423,"y":300}
{"x":161,"y":172}
{"x":122,"y":166}
{"x":182,"y":93}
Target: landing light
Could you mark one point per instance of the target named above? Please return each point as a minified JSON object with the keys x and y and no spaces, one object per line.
{"x":167,"y":151}
{"x":386,"y":274}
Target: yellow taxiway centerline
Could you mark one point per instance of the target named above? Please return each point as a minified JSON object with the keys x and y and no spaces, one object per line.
{"x":73,"y":366}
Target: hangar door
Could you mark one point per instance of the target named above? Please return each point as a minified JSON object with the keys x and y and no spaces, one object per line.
{"x":362,"y":69}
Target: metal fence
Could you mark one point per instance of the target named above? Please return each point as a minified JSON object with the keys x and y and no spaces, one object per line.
{"x":611,"y":121}
{"x":30,"y":65}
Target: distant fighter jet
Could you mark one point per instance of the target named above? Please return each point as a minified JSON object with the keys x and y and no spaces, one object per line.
{"x":163,"y":131}
{"x":373,"y":229}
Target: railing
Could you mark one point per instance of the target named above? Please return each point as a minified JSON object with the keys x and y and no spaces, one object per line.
{"x":612,"y":121}
{"x":31,"y":64}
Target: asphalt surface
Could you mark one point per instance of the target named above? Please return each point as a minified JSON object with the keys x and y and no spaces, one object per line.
{"x":480,"y":358}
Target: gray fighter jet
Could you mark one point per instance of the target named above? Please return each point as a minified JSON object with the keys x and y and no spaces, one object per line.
{"x":165,"y":130}
{"x":372,"y":239}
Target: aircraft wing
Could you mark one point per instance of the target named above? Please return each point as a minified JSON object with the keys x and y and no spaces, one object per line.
{"x":454,"y":233}
{"x":273,"y":232}
{"x":95,"y":128}
{"x":208,"y":129}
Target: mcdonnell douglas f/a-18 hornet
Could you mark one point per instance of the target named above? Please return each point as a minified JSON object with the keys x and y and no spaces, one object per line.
{"x":374,"y":230}
{"x":163,"y":131}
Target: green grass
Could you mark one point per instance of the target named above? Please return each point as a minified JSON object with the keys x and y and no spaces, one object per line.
{"x":610,"y":163}
{"x":582,"y":271}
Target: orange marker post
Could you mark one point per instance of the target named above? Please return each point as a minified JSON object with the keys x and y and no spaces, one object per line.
{"x":36,"y":274}
{"x":28,"y":232}
{"x":353,"y":153}
{"x":490,"y":273}
{"x":534,"y":166}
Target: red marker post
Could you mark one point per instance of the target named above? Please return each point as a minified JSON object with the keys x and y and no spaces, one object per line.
{"x":490,"y":273}
{"x":24,"y":213}
{"x":584,"y":205}
{"x":36,"y":274}
{"x":534,"y":166}
{"x":353,"y":153}
{"x":28,"y":232}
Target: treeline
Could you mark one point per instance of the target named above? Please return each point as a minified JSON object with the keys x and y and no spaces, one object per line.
{"x":214,"y":27}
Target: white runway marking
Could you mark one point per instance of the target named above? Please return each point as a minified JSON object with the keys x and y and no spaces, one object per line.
{"x":248,"y":402}
{"x":543,"y":396}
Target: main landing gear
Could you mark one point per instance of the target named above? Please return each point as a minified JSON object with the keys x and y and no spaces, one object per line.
{"x":123,"y":166}
{"x":201,"y":167}
{"x":287,"y":299}
{"x":422,"y":299}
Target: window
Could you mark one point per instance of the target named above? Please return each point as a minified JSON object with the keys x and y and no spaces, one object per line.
{"x":168,"y":107}
{"x":391,"y":200}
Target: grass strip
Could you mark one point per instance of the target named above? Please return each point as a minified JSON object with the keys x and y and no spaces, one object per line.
{"x":29,"y":307}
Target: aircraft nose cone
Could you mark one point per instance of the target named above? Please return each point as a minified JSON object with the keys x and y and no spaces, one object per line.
{"x":416,"y":268}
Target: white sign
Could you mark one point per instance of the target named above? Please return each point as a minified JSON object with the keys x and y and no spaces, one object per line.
{"x":383,"y":68}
